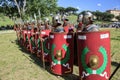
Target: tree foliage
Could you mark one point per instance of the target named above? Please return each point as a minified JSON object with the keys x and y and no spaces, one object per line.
{"x":103,"y":16}
{"x":107,"y":16}
{"x":71,"y":9}
{"x":63,"y":10}
{"x":27,"y":8}
{"x":118,"y":17}
{"x":13,"y":7}
{"x":45,"y":6}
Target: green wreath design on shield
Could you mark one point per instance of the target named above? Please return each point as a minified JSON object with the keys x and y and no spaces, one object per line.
{"x":33,"y":43}
{"x":99,"y":70}
{"x":44,"y":47}
{"x":38,"y":43}
{"x":26,"y":39}
{"x":65,"y":60}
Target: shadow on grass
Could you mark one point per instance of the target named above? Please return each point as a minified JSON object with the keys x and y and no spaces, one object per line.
{"x":114,"y":63}
{"x":34,"y":59}
{"x":71,"y":77}
{"x":117,"y":67}
{"x":117,"y":38}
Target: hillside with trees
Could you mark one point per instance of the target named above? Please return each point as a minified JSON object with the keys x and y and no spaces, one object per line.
{"x":28,"y":9}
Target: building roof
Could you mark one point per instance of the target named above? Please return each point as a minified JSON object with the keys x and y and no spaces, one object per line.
{"x":113,"y":10}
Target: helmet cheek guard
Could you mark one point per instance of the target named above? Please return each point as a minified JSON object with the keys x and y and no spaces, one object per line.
{"x":80,"y":17}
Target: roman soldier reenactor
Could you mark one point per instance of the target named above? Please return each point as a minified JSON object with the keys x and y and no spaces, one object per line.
{"x":57,"y":24}
{"x":86,"y":22}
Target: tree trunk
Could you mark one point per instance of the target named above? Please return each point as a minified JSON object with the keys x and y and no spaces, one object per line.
{"x":22,"y":10}
{"x":18,"y":7}
{"x":24,"y":5}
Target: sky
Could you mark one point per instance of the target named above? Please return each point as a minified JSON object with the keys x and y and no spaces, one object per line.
{"x":92,"y":5}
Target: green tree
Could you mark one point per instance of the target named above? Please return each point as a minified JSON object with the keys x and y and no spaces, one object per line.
{"x":46,"y":7}
{"x":103,"y":16}
{"x":118,"y":17}
{"x":14,"y":7}
{"x":98,"y":15}
{"x":107,"y":16}
{"x":61,"y":10}
{"x":71,"y":10}
{"x":26,"y":8}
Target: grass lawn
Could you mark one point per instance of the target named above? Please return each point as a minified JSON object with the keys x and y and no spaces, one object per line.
{"x":17,"y":64}
{"x":115,"y":52}
{"x":5,"y":21}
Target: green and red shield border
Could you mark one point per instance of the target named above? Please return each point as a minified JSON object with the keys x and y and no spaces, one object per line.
{"x":94,"y":44}
{"x":62,"y":53}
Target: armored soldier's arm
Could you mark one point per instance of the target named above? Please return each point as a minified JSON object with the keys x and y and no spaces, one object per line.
{"x":92,"y":28}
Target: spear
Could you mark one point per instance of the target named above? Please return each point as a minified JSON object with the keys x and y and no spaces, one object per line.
{"x":42,"y":51}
